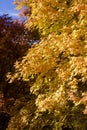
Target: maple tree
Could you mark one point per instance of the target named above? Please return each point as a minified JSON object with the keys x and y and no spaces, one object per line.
{"x":55,"y":70}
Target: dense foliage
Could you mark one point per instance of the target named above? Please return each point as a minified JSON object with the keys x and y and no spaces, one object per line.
{"x":53,"y":73}
{"x":13,"y":45}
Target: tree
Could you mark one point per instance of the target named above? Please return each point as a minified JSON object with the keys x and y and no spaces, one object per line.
{"x":13,"y":45}
{"x":55,"y":69}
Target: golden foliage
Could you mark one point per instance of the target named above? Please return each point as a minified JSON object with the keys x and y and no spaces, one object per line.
{"x":56,"y":68}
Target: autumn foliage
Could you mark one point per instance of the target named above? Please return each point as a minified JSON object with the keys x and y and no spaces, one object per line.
{"x":53,"y":72}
